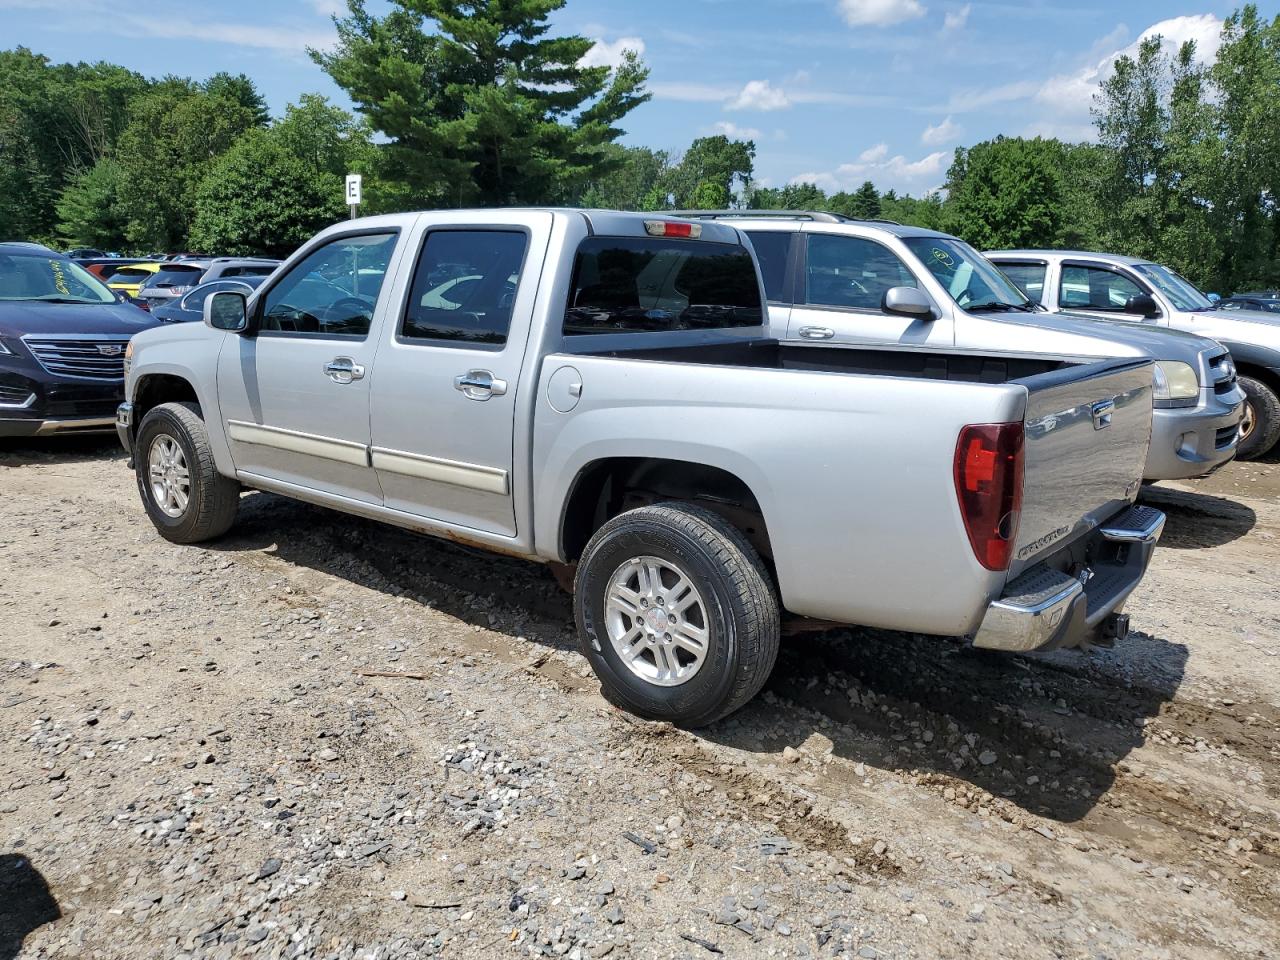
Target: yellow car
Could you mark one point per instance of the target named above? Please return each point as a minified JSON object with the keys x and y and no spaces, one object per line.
{"x":130,"y":280}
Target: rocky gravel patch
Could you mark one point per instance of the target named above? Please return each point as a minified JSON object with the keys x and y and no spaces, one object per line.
{"x":324,"y":739}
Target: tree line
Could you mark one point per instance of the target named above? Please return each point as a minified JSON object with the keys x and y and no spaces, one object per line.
{"x":491,"y":108}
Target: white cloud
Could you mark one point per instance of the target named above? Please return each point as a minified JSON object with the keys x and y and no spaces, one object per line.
{"x":330,"y":8}
{"x":956,"y":19}
{"x":735,"y":132}
{"x":759,"y":95}
{"x":1070,"y":95}
{"x":879,"y":13}
{"x":935,"y":135}
{"x":605,"y":54}
{"x":875,"y":165}
{"x":874,"y":154}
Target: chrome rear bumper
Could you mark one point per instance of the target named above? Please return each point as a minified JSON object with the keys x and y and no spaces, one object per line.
{"x":1047,"y":608}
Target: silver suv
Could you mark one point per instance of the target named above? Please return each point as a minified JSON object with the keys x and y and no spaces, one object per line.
{"x":830,"y":278}
{"x":1141,"y":292}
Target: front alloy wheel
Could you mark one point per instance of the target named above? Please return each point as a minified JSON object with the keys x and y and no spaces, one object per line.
{"x":170,"y":477}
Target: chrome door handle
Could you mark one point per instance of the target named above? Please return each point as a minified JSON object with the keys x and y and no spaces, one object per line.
{"x":479,"y":385}
{"x":343,"y":370}
{"x":817,"y":333}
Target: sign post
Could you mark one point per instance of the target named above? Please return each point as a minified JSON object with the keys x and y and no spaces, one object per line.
{"x":355,"y":184}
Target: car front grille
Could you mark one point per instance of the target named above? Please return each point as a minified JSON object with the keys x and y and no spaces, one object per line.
{"x":1223,"y":373}
{"x":96,"y":358}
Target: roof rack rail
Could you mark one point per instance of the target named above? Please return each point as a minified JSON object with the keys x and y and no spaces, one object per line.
{"x":816,"y":216}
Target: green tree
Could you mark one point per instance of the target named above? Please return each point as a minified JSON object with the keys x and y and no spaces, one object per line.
{"x":709,"y":195}
{"x":1006,"y":192}
{"x":715,"y":161}
{"x":176,"y":133}
{"x":863,"y":204}
{"x":631,"y":181}
{"x":1246,"y":81}
{"x":260,"y":198}
{"x":241,"y":90}
{"x":90,"y":210}
{"x":56,"y":120}
{"x":481,"y":104}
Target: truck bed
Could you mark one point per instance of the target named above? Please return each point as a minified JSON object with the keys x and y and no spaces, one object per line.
{"x":871,"y":439}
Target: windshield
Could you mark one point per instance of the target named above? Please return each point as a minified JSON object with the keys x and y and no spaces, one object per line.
{"x":55,"y":279}
{"x":1177,"y":288}
{"x":176,"y":277}
{"x":973,"y":281}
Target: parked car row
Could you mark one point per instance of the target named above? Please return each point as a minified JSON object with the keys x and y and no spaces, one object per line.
{"x":64,"y":326}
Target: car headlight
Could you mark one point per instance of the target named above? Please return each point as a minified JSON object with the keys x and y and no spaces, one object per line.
{"x":128,"y":356}
{"x":1173,"y":380}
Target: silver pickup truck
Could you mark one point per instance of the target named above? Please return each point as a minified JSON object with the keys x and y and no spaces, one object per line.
{"x":597,"y":389}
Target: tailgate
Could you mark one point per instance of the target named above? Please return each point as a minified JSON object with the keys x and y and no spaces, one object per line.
{"x":1087,"y":432}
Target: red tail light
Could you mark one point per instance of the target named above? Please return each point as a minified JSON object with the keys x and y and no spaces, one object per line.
{"x":988,"y":475}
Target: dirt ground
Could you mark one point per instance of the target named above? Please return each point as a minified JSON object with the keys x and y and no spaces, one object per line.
{"x":201,"y":758}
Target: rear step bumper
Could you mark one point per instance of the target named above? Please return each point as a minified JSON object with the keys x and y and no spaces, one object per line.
{"x":1047,"y":609}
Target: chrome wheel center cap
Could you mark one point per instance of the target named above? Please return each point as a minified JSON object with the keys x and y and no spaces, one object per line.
{"x":657,"y":620}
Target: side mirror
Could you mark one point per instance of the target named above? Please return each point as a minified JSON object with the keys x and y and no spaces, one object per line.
{"x":1143,"y":304}
{"x":907,"y":301}
{"x":227,"y":310}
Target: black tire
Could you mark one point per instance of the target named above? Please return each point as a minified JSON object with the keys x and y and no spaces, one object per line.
{"x":212,"y":499}
{"x":1265,"y":408}
{"x":742,"y":617}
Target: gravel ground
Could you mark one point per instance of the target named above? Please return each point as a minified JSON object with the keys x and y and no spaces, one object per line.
{"x":325,"y":738}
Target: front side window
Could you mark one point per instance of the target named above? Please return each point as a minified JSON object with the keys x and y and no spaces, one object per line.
{"x":1181,"y":292}
{"x":852,"y":272}
{"x":773,"y":250}
{"x":464,"y":287}
{"x":644,"y":285}
{"x":1093,"y":288}
{"x":973,"y":281}
{"x":333,"y":290}
{"x":53,"y":279}
{"x":1028,"y":276}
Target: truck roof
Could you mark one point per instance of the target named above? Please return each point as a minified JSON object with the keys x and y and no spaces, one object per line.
{"x":811,"y":216}
{"x":1082,"y":254}
{"x":608,"y":222}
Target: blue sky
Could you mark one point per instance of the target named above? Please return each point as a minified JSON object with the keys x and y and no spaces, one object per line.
{"x":833,"y":91}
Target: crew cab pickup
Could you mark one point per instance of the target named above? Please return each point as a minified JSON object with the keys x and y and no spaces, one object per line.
{"x":598,"y":390}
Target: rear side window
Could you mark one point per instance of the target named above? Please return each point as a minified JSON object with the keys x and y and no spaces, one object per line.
{"x":464,"y":287}
{"x":1028,"y":276}
{"x":773,"y":250}
{"x":644,"y":285}
{"x":1092,"y":288}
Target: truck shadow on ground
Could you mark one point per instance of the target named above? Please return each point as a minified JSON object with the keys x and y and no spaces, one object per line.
{"x":25,"y":903}
{"x":1198,"y":520}
{"x":891,"y":701}
{"x":1044,"y":732}
{"x":44,"y":451}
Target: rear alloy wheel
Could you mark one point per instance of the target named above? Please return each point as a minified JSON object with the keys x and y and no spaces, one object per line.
{"x":677,"y":614}
{"x":1260,"y":426}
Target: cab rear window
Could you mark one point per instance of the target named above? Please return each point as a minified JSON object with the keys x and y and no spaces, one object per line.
{"x":645,"y":285}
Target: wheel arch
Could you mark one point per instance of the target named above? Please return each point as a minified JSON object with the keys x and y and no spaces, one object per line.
{"x":607,"y":486}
